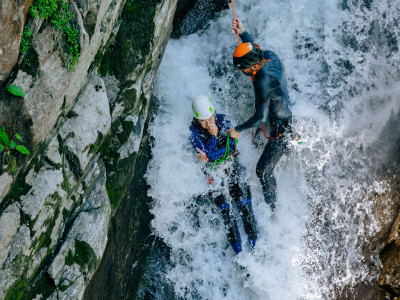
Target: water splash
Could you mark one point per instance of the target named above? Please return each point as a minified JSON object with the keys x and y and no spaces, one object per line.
{"x":343,"y":91}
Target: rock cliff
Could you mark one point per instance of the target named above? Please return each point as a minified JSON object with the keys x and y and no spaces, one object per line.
{"x":86,"y":68}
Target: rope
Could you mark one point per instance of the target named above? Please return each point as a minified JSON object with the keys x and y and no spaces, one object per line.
{"x":269,"y":137}
{"x":234,"y":15}
{"x":224,"y":157}
{"x":262,"y":126}
{"x":252,"y":77}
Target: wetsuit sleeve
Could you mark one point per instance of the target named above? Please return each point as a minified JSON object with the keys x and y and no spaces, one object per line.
{"x":213,"y":155}
{"x":246,"y":37}
{"x":260,"y":116}
{"x":208,"y":148}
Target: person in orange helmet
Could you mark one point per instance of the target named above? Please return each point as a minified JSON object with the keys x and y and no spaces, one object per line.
{"x":271,"y":105}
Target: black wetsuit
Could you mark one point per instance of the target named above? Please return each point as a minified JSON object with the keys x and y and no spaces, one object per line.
{"x":239,"y":190}
{"x":272,"y":110}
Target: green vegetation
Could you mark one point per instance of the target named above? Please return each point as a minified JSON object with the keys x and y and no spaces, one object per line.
{"x":134,"y":39}
{"x":44,"y":9}
{"x":26,"y":40}
{"x":16,"y":292}
{"x":84,"y":254}
{"x":69,"y":259}
{"x":57,"y":11}
{"x":44,"y":286}
{"x":71,"y":34}
{"x":16,"y":90}
{"x":96,"y":146}
{"x":143,"y":100}
{"x":45,"y":238}
{"x":118,"y":182}
{"x":9,"y":147}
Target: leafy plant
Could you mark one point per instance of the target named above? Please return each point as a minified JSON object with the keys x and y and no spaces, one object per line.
{"x":16,"y":90}
{"x":25,"y":41}
{"x":57,"y":12}
{"x":71,"y":34}
{"x":44,"y":9}
{"x":8,"y":146}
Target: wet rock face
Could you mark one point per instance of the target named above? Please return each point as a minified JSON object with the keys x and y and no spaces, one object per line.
{"x":12,"y":19}
{"x":83,"y":132}
{"x":390,"y":257}
{"x":36,"y":219}
{"x":50,"y":87}
{"x":192,"y":16}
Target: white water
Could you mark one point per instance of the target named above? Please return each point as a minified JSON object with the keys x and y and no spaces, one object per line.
{"x":313,"y":242}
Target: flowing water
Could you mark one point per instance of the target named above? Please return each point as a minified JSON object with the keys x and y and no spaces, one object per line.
{"x":342,"y":66}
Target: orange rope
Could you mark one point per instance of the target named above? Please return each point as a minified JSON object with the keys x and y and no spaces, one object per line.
{"x":234,"y":15}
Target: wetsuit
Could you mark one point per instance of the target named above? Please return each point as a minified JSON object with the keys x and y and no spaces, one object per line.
{"x":215,"y":147}
{"x":272,"y":110}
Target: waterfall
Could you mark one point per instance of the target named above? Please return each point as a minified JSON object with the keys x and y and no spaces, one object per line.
{"x":342,"y":66}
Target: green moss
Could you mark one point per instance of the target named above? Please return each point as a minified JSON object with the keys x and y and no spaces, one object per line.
{"x":16,"y":292}
{"x":26,"y":40}
{"x":97,"y":144}
{"x":64,"y":287}
{"x":127,"y":127}
{"x":143,"y":100}
{"x":118,"y":183}
{"x":114,"y":193}
{"x":45,"y":238}
{"x":57,"y":11}
{"x":18,"y":189}
{"x":72,"y":114}
{"x":65,"y":185}
{"x":30,"y":63}
{"x":84,"y":254}
{"x":69,"y":259}
{"x":66,"y":213}
{"x":133,"y":40}
{"x":44,"y":285}
{"x":128,"y":99}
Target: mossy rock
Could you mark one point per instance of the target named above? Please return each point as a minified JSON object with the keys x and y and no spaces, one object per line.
{"x":45,"y":238}
{"x":118,"y":182}
{"x":97,"y":144}
{"x":17,"y":291}
{"x":69,"y":259}
{"x":128,"y":98}
{"x":30,"y":63}
{"x":85,"y":255}
{"x":133,"y":40}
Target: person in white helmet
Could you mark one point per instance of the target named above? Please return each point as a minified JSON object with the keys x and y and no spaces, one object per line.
{"x":214,"y":147}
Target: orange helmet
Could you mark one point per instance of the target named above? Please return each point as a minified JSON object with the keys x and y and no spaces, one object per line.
{"x":247,"y":55}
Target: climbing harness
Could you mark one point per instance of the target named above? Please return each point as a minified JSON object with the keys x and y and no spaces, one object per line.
{"x":224,"y":157}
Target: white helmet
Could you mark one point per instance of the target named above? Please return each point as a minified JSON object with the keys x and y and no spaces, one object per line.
{"x":202,"y":107}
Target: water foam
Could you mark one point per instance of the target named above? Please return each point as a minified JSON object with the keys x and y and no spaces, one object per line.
{"x":343,"y":91}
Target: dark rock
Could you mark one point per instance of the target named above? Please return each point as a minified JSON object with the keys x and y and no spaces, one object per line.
{"x":192,"y":16}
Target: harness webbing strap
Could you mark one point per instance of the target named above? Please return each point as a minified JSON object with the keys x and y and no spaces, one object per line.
{"x":224,"y":157}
